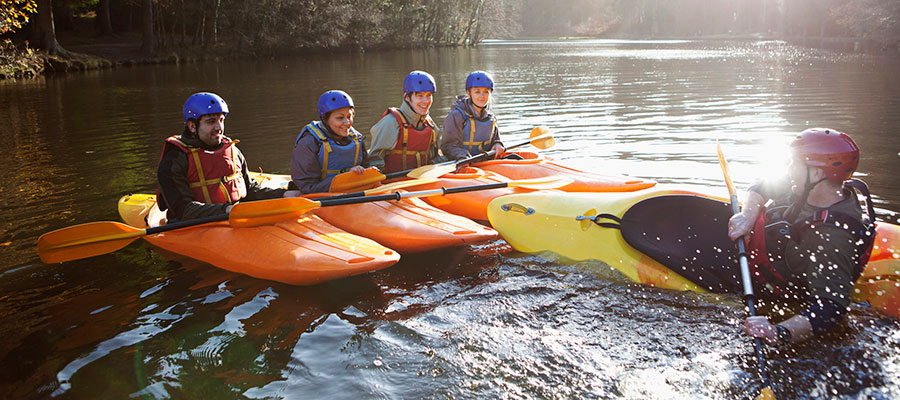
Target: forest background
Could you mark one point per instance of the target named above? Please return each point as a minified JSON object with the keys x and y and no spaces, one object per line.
{"x":58,"y":35}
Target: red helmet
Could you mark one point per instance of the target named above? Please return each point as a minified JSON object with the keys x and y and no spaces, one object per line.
{"x":832,"y":151}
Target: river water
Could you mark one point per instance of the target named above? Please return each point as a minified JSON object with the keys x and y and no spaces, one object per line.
{"x":475,"y":322}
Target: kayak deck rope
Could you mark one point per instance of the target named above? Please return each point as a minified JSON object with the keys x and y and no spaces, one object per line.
{"x":597,"y":220}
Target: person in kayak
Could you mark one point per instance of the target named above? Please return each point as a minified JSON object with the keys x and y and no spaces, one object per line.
{"x":471,"y":128}
{"x":329,"y":146}
{"x":406,"y":137}
{"x":201,"y":172}
{"x":811,"y":241}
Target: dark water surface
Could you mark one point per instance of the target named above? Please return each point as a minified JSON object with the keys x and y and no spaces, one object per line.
{"x":474,"y":322}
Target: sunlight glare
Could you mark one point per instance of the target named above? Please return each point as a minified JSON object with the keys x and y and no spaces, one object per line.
{"x":769,"y":159}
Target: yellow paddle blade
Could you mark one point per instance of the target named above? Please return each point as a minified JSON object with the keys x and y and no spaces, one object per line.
{"x":433,"y":172}
{"x":542,"y":183}
{"x":400,"y":185}
{"x":724,"y":164}
{"x":85,"y":240}
{"x":266,"y":212}
{"x":352,"y":182}
{"x":766,"y":394}
{"x":542,"y":138}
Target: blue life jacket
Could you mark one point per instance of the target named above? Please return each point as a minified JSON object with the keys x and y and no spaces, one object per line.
{"x":335,"y":158}
{"x":480,"y":133}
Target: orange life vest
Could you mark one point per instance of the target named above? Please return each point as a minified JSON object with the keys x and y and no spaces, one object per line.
{"x":413,"y":148}
{"x":215,"y":176}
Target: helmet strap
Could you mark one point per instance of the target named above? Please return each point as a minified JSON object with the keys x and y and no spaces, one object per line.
{"x":808,"y":186}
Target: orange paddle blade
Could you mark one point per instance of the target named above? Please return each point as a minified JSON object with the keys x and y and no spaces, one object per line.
{"x":85,"y":240}
{"x":542,"y":138}
{"x":265,"y":212}
{"x":352,"y":182}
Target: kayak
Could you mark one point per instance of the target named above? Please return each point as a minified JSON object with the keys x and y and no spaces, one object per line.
{"x":472,"y":205}
{"x":665,"y":237}
{"x":533,"y":165}
{"x":304,"y":251}
{"x":408,"y":225}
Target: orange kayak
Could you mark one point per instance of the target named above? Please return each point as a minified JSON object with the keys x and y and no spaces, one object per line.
{"x":534,"y":165}
{"x":408,"y":225}
{"x":472,"y":205}
{"x":305,"y":251}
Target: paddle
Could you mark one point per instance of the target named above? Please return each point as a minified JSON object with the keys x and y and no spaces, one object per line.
{"x":540,"y":137}
{"x":351,"y":181}
{"x":383,"y":188}
{"x":766,"y":392}
{"x":275,"y":210}
{"x":96,"y":238}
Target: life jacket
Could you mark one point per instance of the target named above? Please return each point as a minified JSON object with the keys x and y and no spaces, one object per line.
{"x":480,"y":132}
{"x":767,"y":250}
{"x":336,"y":158}
{"x":413,"y":145}
{"x":214,"y":175}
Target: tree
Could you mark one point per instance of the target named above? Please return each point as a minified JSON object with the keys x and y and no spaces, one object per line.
{"x":43,"y":31}
{"x":147,"y":22}
{"x":878,"y":20}
{"x":104,"y":23}
{"x":15,"y":13}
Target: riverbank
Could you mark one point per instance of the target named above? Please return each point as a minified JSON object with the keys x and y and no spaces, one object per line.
{"x":90,"y":52}
{"x":93,"y":53}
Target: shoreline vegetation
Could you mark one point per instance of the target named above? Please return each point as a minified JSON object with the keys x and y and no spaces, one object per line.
{"x":60,"y":36}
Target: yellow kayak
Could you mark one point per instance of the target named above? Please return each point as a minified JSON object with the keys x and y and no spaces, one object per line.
{"x":666,"y":237}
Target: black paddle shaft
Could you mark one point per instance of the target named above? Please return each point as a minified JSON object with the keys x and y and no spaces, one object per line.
{"x":460,"y":163}
{"x":399,"y":196}
{"x":185,"y":224}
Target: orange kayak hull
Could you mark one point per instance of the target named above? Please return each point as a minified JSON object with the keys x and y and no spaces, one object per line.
{"x":305,"y":251}
{"x":408,"y":225}
{"x":534,"y":165}
{"x":472,"y":205}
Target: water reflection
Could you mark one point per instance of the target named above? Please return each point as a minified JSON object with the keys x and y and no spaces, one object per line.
{"x":477,"y":322}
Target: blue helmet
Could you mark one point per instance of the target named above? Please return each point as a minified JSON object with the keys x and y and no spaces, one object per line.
{"x":333,"y":100}
{"x":203,"y":103}
{"x":480,"y":79}
{"x":419,"y":81}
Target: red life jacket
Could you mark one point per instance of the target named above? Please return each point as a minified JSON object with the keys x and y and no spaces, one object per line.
{"x":214,"y":176}
{"x":413,"y":145}
{"x":771,"y":233}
